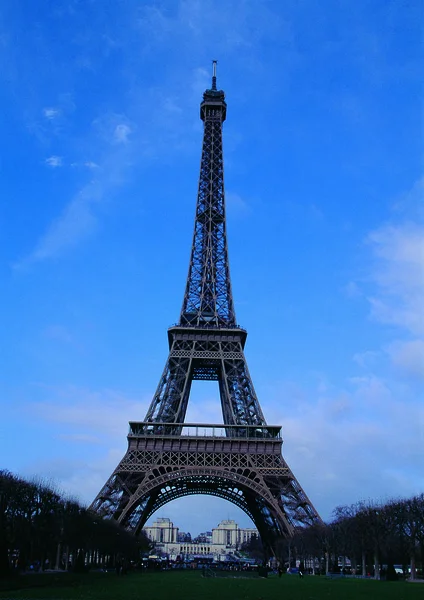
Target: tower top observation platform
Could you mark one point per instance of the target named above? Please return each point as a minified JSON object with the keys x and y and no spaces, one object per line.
{"x":214,"y":100}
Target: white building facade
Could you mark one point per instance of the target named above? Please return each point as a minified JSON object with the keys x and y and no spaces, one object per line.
{"x":162,"y":532}
{"x":226,"y":538}
{"x":228,"y":533}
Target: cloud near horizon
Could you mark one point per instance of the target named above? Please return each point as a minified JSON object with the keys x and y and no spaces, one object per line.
{"x":398,"y":275}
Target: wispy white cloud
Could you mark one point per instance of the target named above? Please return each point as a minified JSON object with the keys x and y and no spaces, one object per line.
{"x":51,"y":113}
{"x":394,"y":288}
{"x":77,"y":478}
{"x":371,"y":389}
{"x":91,"y":165}
{"x":77,"y":221}
{"x":352,"y":289}
{"x":204,"y":409}
{"x":91,"y":412}
{"x":112,"y":128}
{"x":121,"y":133}
{"x":411,"y":203}
{"x":118,"y":144}
{"x":339,"y":444}
{"x":236,"y":25}
{"x":79,"y":217}
{"x":408,"y":357}
{"x":348,"y":430}
{"x":201,"y":79}
{"x":398,"y":275}
{"x":170,"y":105}
{"x":367,"y":359}
{"x":93,"y":423}
{"x":397,"y":264}
{"x":54,"y":161}
{"x":236,"y":205}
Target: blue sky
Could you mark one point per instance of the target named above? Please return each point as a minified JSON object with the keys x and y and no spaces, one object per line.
{"x":101,"y":141}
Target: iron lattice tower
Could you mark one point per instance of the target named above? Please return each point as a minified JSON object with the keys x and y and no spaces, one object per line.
{"x":239,"y":461}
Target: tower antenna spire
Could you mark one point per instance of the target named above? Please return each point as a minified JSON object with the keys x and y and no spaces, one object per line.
{"x":214,"y":62}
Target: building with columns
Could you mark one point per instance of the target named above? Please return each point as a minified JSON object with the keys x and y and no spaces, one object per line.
{"x":228,"y":533}
{"x":162,"y":531}
{"x":227,"y":537}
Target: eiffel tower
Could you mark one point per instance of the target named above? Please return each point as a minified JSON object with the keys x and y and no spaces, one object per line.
{"x":241,"y":460}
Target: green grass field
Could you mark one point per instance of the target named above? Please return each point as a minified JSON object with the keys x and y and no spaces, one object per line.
{"x":192,"y":586}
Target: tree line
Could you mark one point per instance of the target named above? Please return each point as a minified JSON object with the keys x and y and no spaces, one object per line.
{"x":40,"y":528}
{"x":373,"y":536}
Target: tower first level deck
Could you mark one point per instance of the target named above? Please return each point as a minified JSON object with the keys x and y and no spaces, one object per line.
{"x":204,"y":445}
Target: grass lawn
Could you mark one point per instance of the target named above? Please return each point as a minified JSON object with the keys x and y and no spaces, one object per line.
{"x":192,"y":586}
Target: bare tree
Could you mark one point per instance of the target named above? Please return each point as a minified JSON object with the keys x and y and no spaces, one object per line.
{"x":38,"y":524}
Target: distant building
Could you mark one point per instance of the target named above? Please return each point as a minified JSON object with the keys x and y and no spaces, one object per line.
{"x":162,"y":531}
{"x":225,"y":539}
{"x":204,"y":537}
{"x":230,"y":534}
{"x":183,"y":536}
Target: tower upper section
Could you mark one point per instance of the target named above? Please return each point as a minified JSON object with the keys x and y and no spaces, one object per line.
{"x":213,"y":104}
{"x":208,"y":300}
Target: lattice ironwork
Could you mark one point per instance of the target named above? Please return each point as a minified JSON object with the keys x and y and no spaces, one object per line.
{"x":250,"y":473}
{"x":208,"y":299}
{"x":241,"y":460}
